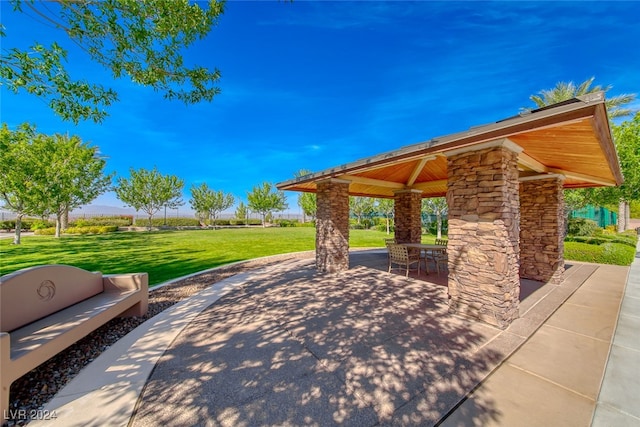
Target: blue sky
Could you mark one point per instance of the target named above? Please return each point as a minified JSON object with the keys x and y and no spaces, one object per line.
{"x":314,"y":84}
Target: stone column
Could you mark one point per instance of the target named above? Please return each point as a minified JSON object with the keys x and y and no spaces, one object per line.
{"x":332,"y":225}
{"x":408,"y":216}
{"x":484,"y":232}
{"x":542,"y":228}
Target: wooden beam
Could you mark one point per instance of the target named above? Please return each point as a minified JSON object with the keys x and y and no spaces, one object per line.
{"x":531,"y":163}
{"x":418,"y":169}
{"x":372,"y":182}
{"x":424,"y":186}
{"x":583,"y":177}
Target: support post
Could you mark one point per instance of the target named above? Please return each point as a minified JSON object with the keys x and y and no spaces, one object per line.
{"x":332,"y":225}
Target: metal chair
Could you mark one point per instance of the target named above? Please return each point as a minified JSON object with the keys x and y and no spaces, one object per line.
{"x":399,"y":255}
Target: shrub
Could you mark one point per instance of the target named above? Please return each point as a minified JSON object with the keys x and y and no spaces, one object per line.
{"x":287,"y":222}
{"x":7,"y":225}
{"x":39,"y":224}
{"x":582,"y":227}
{"x":171,"y":222}
{"x":50,"y":231}
{"x":607,"y":253}
{"x":92,"y":229}
{"x":118,"y":221}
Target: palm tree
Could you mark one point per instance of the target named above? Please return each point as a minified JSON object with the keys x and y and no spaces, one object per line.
{"x":616,"y":107}
{"x":564,"y":91}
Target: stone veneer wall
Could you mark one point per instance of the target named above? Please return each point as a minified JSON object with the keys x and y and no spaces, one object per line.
{"x":332,"y":226}
{"x":407,"y":215}
{"x":542,"y":229}
{"x":483,"y":236}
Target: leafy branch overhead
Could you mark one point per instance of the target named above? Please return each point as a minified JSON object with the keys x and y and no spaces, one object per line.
{"x":139,"y":39}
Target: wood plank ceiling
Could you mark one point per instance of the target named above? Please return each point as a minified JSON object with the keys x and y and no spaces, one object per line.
{"x":572,"y":138}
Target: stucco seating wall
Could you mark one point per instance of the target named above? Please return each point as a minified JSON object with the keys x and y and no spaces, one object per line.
{"x":45,"y":309}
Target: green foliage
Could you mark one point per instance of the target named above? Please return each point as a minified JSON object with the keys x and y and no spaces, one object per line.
{"x":50,"y":231}
{"x":362,"y":208}
{"x":306,"y":201}
{"x":42,"y":174}
{"x":241,"y":211}
{"x":287,"y":222}
{"x":564,"y":91}
{"x":171,"y":222}
{"x":92,"y":229}
{"x":142,"y":40}
{"x":265,"y":200}
{"x":39,"y":224}
{"x":623,"y":239}
{"x":606,"y":253}
{"x":209,"y":203}
{"x":118,"y":221}
{"x":582,"y":227}
{"x":149,"y":191}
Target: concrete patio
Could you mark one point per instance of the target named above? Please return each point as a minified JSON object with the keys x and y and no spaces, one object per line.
{"x":287,"y":345}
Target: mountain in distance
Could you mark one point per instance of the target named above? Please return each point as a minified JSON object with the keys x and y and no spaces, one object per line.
{"x":103,"y":210}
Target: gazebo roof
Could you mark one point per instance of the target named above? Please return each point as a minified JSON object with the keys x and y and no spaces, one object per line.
{"x":571,"y":138}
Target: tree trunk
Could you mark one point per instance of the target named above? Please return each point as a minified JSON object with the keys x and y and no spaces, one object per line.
{"x":65,"y":219}
{"x":149,"y":226}
{"x":438,"y":225}
{"x":622,"y":215}
{"x":58,"y":224}
{"x":18,"y":230}
{"x":627,"y":217}
{"x":388,"y":226}
{"x":264,"y":220}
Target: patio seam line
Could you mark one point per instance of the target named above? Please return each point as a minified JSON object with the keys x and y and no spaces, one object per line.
{"x":545,"y":379}
{"x":505,"y":360}
{"x":580,"y":334}
{"x":617,"y":409}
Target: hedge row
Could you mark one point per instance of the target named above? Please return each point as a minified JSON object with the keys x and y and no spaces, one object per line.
{"x":93,"y":229}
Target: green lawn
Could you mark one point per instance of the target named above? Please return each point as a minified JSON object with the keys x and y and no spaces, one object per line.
{"x":165,"y":254}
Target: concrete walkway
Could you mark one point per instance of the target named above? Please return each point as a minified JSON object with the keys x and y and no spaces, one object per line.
{"x":618,"y":402}
{"x":287,"y":346}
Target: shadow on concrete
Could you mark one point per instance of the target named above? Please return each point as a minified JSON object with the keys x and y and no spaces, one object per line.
{"x":294,"y":347}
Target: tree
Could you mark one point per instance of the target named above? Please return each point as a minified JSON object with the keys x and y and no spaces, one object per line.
{"x":242,"y":213}
{"x":75,"y":175}
{"x":22,"y":173}
{"x":306,"y":201}
{"x":209,"y":202}
{"x":616,"y":107}
{"x":265,"y":200}
{"x":149,"y":191}
{"x":564,"y":91}
{"x":142,"y":40}
{"x":436,"y":206}
{"x":386,"y":207}
{"x":627,"y":139}
{"x":361,"y":207}
{"x":43,"y":175}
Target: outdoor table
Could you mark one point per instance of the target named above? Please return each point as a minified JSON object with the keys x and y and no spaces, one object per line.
{"x":426,"y":248}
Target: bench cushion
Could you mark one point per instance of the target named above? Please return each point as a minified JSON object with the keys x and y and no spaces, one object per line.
{"x":33,"y":293}
{"x":61,"y":329}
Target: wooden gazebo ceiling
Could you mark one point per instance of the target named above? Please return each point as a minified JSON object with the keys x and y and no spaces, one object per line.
{"x":572,"y":138}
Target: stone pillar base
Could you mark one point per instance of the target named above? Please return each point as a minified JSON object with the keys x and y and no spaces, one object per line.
{"x":332,"y":226}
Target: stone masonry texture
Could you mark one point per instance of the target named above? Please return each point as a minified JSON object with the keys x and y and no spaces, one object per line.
{"x":407,"y":214}
{"x":332,"y":226}
{"x":483,"y":249}
{"x":541,"y":230}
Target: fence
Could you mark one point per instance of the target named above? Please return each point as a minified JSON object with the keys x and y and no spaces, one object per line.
{"x":602,"y":216}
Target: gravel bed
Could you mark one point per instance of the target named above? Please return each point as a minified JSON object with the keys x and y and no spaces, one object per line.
{"x":33,"y":390}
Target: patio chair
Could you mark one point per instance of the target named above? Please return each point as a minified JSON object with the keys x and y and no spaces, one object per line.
{"x":399,"y":255}
{"x":388,"y":242}
{"x":441,"y":260}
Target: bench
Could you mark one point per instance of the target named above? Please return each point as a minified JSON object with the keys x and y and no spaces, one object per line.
{"x":45,"y":309}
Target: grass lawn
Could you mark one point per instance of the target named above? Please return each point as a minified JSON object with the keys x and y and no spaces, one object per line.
{"x":166,"y":255}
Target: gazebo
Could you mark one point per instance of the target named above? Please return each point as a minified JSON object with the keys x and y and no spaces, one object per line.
{"x":503,"y":183}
